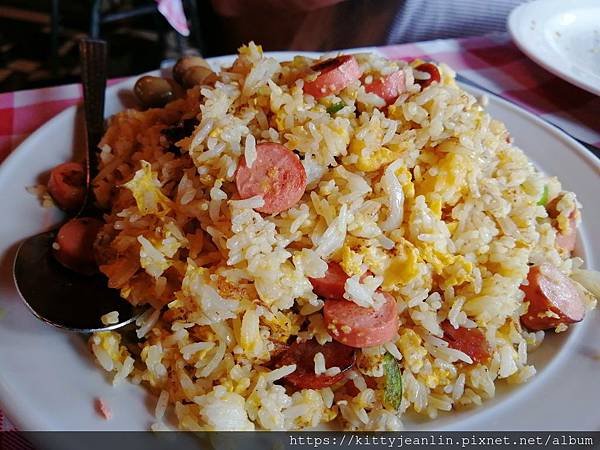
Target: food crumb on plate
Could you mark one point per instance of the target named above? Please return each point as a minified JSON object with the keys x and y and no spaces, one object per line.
{"x":102,"y":408}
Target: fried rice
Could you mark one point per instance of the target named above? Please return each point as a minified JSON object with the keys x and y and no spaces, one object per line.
{"x":427,"y":195}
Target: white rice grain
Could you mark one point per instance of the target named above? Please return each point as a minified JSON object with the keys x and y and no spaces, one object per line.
{"x":146,"y":322}
{"x":253,"y":202}
{"x":250,"y":151}
{"x":161,"y":405}
{"x":124,"y":371}
{"x":110,"y":318}
{"x":280,"y":373}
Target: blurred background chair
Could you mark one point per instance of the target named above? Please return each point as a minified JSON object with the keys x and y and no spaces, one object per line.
{"x":38,"y":38}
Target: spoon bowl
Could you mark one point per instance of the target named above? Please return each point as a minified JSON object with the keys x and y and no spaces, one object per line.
{"x":62,"y":297}
{"x":53,"y":293}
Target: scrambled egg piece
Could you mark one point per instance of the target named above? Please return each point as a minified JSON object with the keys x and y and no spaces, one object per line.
{"x":373,"y":161}
{"x":351,"y":261}
{"x":447,"y":182}
{"x":216,"y":132}
{"x":155,"y":253}
{"x":282,"y":325}
{"x":110,"y":342}
{"x":372,"y":155}
{"x":145,"y":188}
{"x":395,"y":112}
{"x":405,"y":178}
{"x":454,"y":269}
{"x":412,"y":351}
{"x":403,"y":268}
{"x":376,"y":258}
{"x":280,"y":120}
{"x":438,"y":377}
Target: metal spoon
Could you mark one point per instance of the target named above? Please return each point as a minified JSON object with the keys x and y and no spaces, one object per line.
{"x":53,"y":293}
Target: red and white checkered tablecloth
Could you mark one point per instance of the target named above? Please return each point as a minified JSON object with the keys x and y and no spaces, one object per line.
{"x":492,"y":62}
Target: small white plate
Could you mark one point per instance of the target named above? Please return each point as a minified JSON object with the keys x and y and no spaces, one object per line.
{"x":48,"y":378}
{"x":562,"y":36}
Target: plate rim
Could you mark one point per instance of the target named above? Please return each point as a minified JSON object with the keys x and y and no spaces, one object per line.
{"x":524,"y":12}
{"x":24,"y":421}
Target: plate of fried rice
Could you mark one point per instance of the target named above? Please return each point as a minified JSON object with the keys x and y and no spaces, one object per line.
{"x":320,"y":241}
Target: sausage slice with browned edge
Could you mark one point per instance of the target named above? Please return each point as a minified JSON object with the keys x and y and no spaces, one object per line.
{"x":66,"y":186}
{"x":470,"y":341}
{"x":74,"y":244}
{"x":361,"y":327}
{"x":432,"y":70}
{"x":567,"y":240}
{"x":332,"y":284}
{"x":277,"y":175}
{"x":553,"y":299}
{"x":388,"y":87}
{"x":334,"y":75}
{"x":303,"y":355}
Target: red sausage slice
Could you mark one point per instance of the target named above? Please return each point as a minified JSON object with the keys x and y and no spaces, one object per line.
{"x":361,"y":327}
{"x":67,"y":185}
{"x":74,"y":243}
{"x":332,"y":284}
{"x":553,"y":299}
{"x":432,"y":70}
{"x":567,"y":240}
{"x":388,"y":87}
{"x":303,"y":354}
{"x":334,"y":75}
{"x":277,"y":174}
{"x":468,"y":340}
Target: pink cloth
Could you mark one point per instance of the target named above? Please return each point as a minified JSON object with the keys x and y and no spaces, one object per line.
{"x":492,"y":62}
{"x":172,"y":10}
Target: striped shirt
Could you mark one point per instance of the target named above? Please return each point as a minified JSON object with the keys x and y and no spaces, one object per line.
{"x":357,"y":23}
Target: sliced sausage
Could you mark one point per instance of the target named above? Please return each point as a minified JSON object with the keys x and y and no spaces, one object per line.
{"x":277,"y":174}
{"x":332,"y":284}
{"x":564,"y":240}
{"x":303,"y":354}
{"x":334,"y":75}
{"x":74,"y":244}
{"x":567,"y":240}
{"x":432,"y":70}
{"x":361,"y":327}
{"x":388,"y":87}
{"x":67,"y":185}
{"x":470,"y":341}
{"x":553,"y":299}
{"x":351,"y":390}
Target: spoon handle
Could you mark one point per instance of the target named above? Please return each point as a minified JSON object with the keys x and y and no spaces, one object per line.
{"x":93,"y":74}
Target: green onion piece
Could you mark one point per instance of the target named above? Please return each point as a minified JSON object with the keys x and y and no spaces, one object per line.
{"x":392,"y":395}
{"x":544,"y":198}
{"x":335,"y":107}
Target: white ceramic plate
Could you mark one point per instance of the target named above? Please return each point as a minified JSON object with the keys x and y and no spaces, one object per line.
{"x":563,"y":36}
{"x":48,"y":380}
